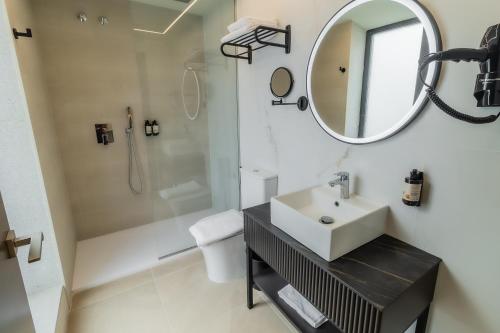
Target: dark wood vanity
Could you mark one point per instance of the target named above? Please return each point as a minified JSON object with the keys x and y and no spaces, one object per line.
{"x":381,"y":287}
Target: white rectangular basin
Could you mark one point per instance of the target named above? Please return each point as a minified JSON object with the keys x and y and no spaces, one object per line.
{"x":356,"y":220}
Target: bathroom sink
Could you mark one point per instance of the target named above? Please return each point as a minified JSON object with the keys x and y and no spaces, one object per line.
{"x":356,"y":220}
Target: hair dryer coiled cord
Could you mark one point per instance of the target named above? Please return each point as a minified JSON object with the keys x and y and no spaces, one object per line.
{"x":455,"y":55}
{"x":431,"y":93}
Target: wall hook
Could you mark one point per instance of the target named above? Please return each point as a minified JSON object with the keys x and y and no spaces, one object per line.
{"x":18,"y":34}
{"x":342,"y":69}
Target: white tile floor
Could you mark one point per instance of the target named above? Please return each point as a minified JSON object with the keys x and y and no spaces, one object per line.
{"x":173,"y":297}
{"x":110,"y":257}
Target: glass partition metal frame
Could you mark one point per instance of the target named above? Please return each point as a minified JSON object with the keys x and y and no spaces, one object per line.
{"x":435,"y":45}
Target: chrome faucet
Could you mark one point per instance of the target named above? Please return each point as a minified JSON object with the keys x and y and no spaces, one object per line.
{"x":342,"y":180}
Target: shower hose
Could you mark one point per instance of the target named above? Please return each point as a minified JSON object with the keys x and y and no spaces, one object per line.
{"x":133,"y":160}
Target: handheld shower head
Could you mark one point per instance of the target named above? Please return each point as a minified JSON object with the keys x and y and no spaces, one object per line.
{"x":133,"y":159}
{"x":129,"y":116}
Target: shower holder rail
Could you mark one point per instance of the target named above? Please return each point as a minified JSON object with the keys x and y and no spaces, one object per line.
{"x":255,"y":40}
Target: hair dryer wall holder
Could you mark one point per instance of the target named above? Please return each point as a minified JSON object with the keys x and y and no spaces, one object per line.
{"x":487,"y":89}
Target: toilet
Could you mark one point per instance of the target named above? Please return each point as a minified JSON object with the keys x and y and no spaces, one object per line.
{"x":220,"y":236}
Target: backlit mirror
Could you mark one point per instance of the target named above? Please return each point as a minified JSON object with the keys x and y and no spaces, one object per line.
{"x":362,"y":78}
{"x":281,"y":82}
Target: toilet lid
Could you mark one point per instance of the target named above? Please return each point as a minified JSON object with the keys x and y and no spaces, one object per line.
{"x":217,"y":227}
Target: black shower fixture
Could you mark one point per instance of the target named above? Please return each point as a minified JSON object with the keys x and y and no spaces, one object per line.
{"x":18,"y":34}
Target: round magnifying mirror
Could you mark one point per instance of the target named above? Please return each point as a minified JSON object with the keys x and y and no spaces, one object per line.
{"x":281,"y":82}
{"x":362,"y":78}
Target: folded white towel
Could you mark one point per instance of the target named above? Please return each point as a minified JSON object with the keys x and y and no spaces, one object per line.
{"x":236,"y":34}
{"x":241,"y":32}
{"x":248,"y":21}
{"x":216,"y":227}
{"x":302,"y":306}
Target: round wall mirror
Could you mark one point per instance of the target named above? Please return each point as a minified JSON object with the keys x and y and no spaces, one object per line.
{"x":362,"y":77}
{"x":281,"y":82}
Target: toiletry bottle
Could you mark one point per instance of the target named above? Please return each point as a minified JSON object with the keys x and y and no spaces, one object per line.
{"x":148,"y":129}
{"x":156,"y":128}
{"x":412,"y":193}
{"x":105,"y":140}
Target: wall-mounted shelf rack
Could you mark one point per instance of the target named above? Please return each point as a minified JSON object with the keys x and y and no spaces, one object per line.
{"x":256,"y":40}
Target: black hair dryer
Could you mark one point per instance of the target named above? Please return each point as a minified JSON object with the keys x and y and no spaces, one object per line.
{"x":487,"y":91}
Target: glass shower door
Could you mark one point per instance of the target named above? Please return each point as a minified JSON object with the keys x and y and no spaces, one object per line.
{"x":189,"y":90}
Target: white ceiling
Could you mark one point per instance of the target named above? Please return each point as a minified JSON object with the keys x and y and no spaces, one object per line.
{"x":200,"y":8}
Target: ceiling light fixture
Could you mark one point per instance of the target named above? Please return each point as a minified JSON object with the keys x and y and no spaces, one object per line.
{"x":193,"y":2}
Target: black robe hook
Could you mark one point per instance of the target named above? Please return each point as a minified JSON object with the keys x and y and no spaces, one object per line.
{"x":18,"y":34}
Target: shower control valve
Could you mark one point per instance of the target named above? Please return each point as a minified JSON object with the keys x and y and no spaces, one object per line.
{"x":104,"y":134}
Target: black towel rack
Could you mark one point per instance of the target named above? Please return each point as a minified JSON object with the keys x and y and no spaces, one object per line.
{"x":255,"y":40}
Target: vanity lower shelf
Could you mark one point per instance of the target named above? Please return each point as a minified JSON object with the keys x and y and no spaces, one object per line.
{"x":270,"y":283}
{"x":380,"y":287}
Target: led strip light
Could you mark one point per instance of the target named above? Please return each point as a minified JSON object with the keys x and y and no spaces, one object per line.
{"x":191,"y":4}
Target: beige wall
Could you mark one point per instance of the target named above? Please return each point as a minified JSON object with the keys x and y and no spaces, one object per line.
{"x":92,"y":78}
{"x":63,"y":314}
{"x":94,"y":72}
{"x":460,"y":219}
{"x":41,"y":115}
{"x":329,"y":83}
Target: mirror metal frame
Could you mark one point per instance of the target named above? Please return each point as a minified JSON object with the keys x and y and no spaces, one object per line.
{"x":435,"y":45}
{"x":292,"y":82}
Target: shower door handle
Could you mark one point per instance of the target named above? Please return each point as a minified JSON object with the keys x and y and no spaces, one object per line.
{"x":35,"y":242}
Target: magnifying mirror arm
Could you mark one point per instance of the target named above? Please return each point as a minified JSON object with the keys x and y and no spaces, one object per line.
{"x":302,"y":103}
{"x":280,"y":102}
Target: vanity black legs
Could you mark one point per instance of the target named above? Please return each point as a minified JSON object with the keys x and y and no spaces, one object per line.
{"x":249,"y":279}
{"x":422,"y":321}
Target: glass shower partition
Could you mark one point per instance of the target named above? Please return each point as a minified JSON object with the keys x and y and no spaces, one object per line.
{"x":189,"y":89}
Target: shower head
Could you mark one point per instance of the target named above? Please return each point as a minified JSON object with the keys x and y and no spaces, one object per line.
{"x":129,"y":116}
